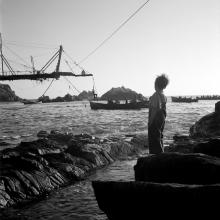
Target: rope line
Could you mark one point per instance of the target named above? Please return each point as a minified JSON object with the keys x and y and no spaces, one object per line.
{"x":28,"y":105}
{"x":12,"y":61}
{"x":72,"y":84}
{"x":31,"y":45}
{"x":75,"y":63}
{"x":47,"y":88}
{"x":113,"y":33}
{"x":17,"y":55}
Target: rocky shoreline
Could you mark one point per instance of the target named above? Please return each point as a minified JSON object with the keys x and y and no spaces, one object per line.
{"x":33,"y":169}
{"x":183,"y":182}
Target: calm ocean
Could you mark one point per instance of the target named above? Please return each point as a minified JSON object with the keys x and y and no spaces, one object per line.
{"x":20,"y":122}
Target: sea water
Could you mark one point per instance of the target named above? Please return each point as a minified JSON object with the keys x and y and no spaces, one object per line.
{"x":20,"y":122}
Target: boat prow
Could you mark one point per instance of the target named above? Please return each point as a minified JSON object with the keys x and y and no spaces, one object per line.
{"x":149,"y":200}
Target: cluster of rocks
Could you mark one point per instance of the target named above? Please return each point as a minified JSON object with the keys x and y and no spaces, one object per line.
{"x":204,"y":136}
{"x":33,"y":169}
{"x":84,"y":95}
{"x":119,"y":93}
{"x":183,"y":182}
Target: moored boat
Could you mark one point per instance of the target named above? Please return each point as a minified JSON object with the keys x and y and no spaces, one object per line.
{"x":119,"y":106}
{"x":26,"y":102}
{"x":209,"y":97}
{"x":183,"y":99}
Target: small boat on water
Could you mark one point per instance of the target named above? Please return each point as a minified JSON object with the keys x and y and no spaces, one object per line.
{"x":184,"y":99}
{"x":26,"y":102}
{"x":119,"y":106}
{"x":209,"y":97}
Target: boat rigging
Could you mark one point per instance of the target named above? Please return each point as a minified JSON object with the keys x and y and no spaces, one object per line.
{"x":34,"y":74}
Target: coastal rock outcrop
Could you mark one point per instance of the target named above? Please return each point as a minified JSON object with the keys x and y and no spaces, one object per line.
{"x":84,"y":95}
{"x":204,"y":136}
{"x":33,"y":169}
{"x":187,"y":144}
{"x":6,"y":94}
{"x":178,"y":168}
{"x":207,"y":126}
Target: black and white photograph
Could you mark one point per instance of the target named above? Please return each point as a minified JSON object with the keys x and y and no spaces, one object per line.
{"x":109,"y":109}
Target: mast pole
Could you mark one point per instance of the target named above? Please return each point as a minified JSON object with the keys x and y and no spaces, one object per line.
{"x":32,"y":62}
{"x":1,"y":53}
{"x":59,"y":58}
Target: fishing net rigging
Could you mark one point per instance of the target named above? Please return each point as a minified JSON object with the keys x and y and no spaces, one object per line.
{"x":41,"y":74}
{"x":32,"y":69}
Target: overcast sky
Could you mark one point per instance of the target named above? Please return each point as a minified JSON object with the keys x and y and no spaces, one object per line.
{"x":178,"y":37}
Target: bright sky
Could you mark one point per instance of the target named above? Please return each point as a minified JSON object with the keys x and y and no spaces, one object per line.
{"x":178,"y":37}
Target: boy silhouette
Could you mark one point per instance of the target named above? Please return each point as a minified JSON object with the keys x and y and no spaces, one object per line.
{"x":157,"y":115}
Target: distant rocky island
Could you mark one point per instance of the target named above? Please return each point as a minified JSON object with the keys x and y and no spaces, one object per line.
{"x":118,"y":93}
{"x":7,"y":94}
{"x":84,"y":95}
{"x":121,"y":93}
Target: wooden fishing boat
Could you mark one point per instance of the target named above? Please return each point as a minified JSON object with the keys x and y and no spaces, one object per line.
{"x":183,"y":99}
{"x":119,"y":106}
{"x":149,"y":200}
{"x":27,"y":102}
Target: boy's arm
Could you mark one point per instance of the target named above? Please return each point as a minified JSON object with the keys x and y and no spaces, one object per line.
{"x":154,"y":108}
{"x":152,"y":115}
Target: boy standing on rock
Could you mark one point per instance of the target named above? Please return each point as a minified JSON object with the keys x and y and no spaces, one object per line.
{"x":157,"y":115}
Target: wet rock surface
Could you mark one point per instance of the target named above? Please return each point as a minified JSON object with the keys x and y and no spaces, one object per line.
{"x":207,"y":126}
{"x":204,"y":136}
{"x":33,"y":169}
{"x":187,"y":144}
{"x":180,"y":168}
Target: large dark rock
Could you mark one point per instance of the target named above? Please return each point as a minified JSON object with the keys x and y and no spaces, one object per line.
{"x":182,"y":144}
{"x":6,"y":94}
{"x":146,"y":200}
{"x":217,"y":108}
{"x":211,"y":147}
{"x":178,"y":168}
{"x":207,"y":126}
{"x":186,"y":144}
{"x":33,"y":169}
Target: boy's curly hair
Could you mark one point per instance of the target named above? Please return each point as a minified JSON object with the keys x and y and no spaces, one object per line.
{"x":162,"y":81}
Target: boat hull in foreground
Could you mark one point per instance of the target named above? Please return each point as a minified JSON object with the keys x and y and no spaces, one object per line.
{"x":148,"y":200}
